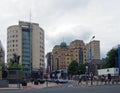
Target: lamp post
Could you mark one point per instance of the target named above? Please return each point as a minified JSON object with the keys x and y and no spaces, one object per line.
{"x":91,"y":73}
{"x":86,"y":73}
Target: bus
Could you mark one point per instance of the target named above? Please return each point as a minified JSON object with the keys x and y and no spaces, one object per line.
{"x":59,"y":76}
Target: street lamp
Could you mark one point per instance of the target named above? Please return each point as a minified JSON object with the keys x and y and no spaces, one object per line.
{"x":91,"y":74}
{"x":91,"y":49}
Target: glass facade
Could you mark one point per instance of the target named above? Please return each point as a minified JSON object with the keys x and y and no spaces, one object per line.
{"x":26,"y":50}
{"x":81,"y":56}
{"x":26,"y":40}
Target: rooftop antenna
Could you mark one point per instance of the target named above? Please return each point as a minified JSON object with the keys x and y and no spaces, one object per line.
{"x":30,"y":16}
{"x":30,"y":19}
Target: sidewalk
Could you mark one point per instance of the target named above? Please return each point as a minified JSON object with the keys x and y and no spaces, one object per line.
{"x":94,"y":83}
{"x":32,"y":86}
{"x":29,"y":86}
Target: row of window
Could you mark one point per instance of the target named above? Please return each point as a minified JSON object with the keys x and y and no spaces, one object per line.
{"x":42,"y":60}
{"x":26,"y":53}
{"x":41,"y":47}
{"x":10,"y":55}
{"x":13,"y":31}
{"x":24,"y":45}
{"x":41,"y":38}
{"x":12,"y":36}
{"x":26,"y":59}
{"x":25,"y":49}
{"x":41,"y":64}
{"x":12,"y":41}
{"x":42,"y":51}
{"x":12,"y":45}
{"x":41,"y":32}
{"x":12,"y":50}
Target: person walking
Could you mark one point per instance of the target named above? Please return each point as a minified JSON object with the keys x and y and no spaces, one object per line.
{"x":80,"y":79}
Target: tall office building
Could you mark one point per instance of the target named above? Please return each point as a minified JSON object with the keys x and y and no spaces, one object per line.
{"x":27,"y":41}
{"x":94,"y":46}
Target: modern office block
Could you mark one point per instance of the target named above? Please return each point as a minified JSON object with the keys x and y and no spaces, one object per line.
{"x":26,"y":40}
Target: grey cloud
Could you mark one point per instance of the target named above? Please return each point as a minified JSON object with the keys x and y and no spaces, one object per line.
{"x":85,"y":17}
{"x":77,"y":32}
{"x":71,"y":4}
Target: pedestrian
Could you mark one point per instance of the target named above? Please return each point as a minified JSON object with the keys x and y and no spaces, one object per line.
{"x":57,"y":81}
{"x":102,"y":78}
{"x":80,"y":79}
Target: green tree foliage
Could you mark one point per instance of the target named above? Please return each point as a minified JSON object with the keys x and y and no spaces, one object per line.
{"x":112,"y":59}
{"x":82,"y":68}
{"x":10,"y":64}
{"x":16,"y":65}
{"x":73,"y":68}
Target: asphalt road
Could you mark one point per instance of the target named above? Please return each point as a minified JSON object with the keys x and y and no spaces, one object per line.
{"x":69,"y":88}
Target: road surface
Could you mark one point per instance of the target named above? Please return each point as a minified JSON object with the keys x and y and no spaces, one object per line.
{"x":69,"y":88}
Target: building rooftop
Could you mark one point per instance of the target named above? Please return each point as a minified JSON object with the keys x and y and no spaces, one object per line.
{"x":63,"y":44}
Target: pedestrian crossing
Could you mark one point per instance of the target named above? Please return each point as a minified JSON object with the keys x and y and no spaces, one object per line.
{"x":69,"y":86}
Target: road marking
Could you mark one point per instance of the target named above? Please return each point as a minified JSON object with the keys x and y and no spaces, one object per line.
{"x":70,"y":85}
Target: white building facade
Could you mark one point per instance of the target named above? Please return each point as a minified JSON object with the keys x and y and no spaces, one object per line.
{"x":27,"y":41}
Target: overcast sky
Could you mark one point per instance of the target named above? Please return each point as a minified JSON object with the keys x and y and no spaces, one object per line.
{"x":66,"y":20}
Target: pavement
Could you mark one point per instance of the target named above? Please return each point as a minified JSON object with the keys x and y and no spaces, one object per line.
{"x":94,"y":83}
{"x":29,"y":86}
{"x":51,"y":84}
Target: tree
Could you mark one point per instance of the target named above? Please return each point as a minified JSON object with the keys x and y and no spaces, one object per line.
{"x":82,"y":68}
{"x":4,"y":71}
{"x":16,"y":65}
{"x":112,"y":59}
{"x":73,"y":68}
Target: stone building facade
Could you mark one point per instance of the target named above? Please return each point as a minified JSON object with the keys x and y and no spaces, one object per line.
{"x":64,"y":54}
